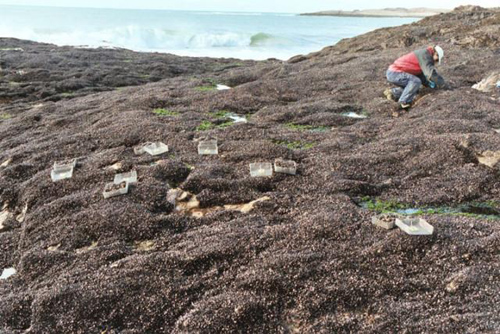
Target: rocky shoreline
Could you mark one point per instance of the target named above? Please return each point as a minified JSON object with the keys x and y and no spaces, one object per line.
{"x":199,"y":246}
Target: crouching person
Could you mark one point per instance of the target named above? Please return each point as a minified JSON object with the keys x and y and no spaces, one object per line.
{"x":411,"y":71}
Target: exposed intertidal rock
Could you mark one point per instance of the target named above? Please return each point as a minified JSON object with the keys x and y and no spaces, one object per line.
{"x":33,"y":71}
{"x":280,"y":254}
{"x":489,"y":84}
{"x":188,"y":204}
{"x":489,"y":158}
{"x":4,"y":217}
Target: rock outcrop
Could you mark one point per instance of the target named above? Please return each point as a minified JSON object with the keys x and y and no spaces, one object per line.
{"x":489,"y":84}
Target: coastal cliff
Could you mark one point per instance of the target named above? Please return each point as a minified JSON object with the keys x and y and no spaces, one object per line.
{"x":199,"y":246}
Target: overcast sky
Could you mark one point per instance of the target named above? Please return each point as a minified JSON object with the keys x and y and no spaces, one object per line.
{"x":284,"y":6}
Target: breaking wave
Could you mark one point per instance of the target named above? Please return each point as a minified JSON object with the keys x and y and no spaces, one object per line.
{"x":262,"y":39}
{"x":146,"y":39}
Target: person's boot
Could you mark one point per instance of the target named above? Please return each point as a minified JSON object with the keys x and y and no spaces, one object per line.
{"x":405,"y":106}
{"x":388,"y":95}
{"x":401,"y":109}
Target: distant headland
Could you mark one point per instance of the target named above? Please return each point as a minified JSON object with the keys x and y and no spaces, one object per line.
{"x":386,"y":12}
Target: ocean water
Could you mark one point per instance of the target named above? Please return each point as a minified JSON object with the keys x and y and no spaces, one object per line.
{"x":188,"y":33}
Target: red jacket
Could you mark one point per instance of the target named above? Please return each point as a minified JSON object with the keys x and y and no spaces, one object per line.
{"x":409,"y":63}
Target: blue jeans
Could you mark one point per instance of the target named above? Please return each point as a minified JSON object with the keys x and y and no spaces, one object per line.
{"x":409,"y":85}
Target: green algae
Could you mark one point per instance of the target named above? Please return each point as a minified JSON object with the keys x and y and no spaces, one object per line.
{"x":205,"y":125}
{"x":205,"y":88}
{"x":165,"y":112}
{"x":301,"y":127}
{"x":4,"y":116}
{"x":484,"y":210}
{"x":220,"y":113}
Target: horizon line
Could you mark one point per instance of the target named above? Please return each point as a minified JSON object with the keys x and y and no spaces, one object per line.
{"x":220,"y":11}
{"x":134,"y":8}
